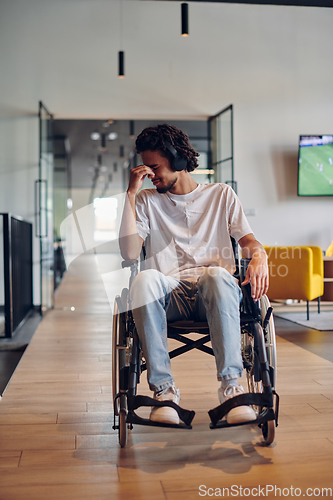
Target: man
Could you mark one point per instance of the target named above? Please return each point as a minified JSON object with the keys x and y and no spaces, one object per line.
{"x":186,"y":229}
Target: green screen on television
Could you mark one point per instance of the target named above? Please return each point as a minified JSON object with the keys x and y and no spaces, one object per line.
{"x":315,"y":165}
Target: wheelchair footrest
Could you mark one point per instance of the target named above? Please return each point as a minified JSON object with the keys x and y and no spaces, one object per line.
{"x":265,"y":416}
{"x":133,"y":418}
{"x":262,"y":400}
{"x":136,"y":402}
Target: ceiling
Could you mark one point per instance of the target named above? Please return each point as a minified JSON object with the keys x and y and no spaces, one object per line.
{"x":301,"y":3}
{"x":66,"y":53}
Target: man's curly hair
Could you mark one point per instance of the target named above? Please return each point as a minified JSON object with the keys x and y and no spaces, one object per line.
{"x":153,"y":139}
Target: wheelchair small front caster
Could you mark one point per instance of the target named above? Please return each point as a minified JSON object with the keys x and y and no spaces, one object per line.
{"x":122,"y":431}
{"x":268,"y":432}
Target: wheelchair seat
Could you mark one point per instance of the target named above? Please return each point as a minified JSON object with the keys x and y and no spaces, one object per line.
{"x":188,"y":327}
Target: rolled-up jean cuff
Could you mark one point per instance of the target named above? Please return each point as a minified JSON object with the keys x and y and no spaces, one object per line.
{"x":162,"y":387}
{"x":229,"y":376}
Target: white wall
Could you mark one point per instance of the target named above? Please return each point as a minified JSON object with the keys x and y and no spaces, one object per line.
{"x":273,"y":63}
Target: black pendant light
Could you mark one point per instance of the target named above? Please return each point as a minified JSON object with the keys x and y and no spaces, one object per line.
{"x":131,"y":127}
{"x":121,"y":64}
{"x":121,"y":53}
{"x":184,"y":19}
{"x":103,"y":142}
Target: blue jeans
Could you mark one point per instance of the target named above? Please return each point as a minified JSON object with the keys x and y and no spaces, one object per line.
{"x":215,"y":298}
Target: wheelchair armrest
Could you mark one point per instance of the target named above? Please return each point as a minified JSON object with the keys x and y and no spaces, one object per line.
{"x":129,"y":263}
{"x":133,"y":265}
{"x":243,"y":267}
{"x":250,"y":306}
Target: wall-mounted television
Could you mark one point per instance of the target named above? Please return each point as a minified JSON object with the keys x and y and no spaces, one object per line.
{"x":315,"y":165}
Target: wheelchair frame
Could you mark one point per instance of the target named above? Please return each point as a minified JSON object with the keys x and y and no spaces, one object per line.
{"x":259,"y":360}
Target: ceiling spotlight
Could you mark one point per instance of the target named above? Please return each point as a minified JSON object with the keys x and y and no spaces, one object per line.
{"x":95,"y":136}
{"x":184,"y":19}
{"x":112,"y":136}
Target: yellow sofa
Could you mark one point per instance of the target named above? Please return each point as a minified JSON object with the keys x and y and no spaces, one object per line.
{"x":296,"y":273}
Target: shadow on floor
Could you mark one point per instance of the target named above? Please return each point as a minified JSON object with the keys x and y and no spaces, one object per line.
{"x":152,"y":451}
{"x":12,"y":349}
{"x":9,"y":360}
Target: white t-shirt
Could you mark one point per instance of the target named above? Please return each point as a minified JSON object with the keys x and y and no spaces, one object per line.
{"x":184,"y":234}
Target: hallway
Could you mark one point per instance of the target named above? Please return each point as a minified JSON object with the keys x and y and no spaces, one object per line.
{"x":56,"y":436}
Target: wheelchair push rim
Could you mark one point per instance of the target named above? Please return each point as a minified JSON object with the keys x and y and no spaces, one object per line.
{"x":115,"y":339}
{"x":270,"y":339}
{"x":255,"y":383}
{"x":119,"y":350}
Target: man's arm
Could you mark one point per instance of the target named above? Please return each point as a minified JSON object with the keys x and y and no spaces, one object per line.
{"x":257,"y":271}
{"x":130,"y":242}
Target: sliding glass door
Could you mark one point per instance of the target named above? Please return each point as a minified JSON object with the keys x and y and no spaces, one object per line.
{"x":220,"y":130}
{"x":44,"y":207}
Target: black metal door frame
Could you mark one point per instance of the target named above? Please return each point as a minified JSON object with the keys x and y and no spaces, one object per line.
{"x":42,"y":231}
{"x":215,"y":164}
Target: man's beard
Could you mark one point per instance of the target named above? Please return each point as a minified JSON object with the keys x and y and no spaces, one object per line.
{"x":165,"y":189}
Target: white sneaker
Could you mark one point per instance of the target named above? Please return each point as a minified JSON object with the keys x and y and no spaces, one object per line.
{"x":166,"y":414}
{"x":239,"y":414}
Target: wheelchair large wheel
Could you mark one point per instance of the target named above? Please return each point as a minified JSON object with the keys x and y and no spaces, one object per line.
{"x":119,"y":360}
{"x":254,"y":378}
{"x":254,"y":381}
{"x":270,"y":340}
{"x":116,"y":334}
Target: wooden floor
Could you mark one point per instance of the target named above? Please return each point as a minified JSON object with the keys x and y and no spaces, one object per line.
{"x":56,"y":436}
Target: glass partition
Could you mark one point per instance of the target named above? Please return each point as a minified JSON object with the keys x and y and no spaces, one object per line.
{"x":221,"y":145}
{"x":62,"y":200}
{"x":44,"y":209}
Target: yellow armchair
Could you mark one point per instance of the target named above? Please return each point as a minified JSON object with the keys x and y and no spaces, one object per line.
{"x":296,"y":273}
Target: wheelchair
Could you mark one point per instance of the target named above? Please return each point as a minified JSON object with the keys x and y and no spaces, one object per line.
{"x":258,"y":348}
